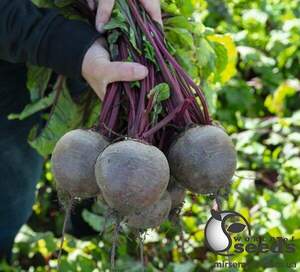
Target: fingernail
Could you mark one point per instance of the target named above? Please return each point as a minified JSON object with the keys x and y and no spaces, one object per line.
{"x":100,"y":27}
{"x":140,"y":71}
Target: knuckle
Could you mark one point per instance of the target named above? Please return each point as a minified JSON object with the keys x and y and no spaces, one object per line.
{"x":103,"y":83}
{"x":104,"y":11}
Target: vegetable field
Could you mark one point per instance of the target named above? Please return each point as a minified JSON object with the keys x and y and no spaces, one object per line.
{"x":244,"y":57}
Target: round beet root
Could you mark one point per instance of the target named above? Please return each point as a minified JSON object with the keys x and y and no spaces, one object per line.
{"x":73,"y":162}
{"x":132,"y":175}
{"x":152,"y":216}
{"x":203,"y":159}
{"x":177,"y":193}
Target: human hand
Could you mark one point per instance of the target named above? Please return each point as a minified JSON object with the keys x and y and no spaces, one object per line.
{"x":99,"y":71}
{"x":105,"y":7}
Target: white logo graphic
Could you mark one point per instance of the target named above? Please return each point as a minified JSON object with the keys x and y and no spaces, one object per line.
{"x":217,"y":237}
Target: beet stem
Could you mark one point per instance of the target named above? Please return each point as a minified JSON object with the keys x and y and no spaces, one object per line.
{"x":167,"y":119}
{"x":173,"y":61}
{"x":164,"y":68}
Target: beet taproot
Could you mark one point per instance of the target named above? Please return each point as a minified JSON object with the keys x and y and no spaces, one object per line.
{"x":132,"y":175}
{"x":73,"y":162}
{"x":152,"y":216}
{"x":203,"y":159}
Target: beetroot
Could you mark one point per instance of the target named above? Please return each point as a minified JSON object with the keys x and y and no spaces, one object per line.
{"x":132,"y":175}
{"x":73,"y":162}
{"x":153,"y":216}
{"x":203,"y":159}
{"x":177,"y":193}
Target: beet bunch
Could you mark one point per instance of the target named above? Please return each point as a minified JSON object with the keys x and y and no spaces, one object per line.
{"x":155,"y":138}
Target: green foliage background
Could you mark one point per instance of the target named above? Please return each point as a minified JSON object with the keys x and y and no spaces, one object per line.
{"x":246,"y":56}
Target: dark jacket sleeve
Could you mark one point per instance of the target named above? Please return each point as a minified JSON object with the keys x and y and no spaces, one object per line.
{"x":43,"y":37}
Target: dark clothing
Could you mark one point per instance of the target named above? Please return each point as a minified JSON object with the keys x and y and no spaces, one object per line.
{"x":20,"y":169}
{"x":20,"y":165}
{"x":43,"y":37}
{"x":40,"y":37}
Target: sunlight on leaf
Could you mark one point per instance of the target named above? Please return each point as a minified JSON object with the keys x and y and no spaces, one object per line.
{"x":227,"y":41}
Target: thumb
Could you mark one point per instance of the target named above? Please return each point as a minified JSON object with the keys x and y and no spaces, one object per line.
{"x":125,"y":71}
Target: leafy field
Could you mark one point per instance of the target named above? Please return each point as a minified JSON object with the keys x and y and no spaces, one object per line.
{"x":246,"y":56}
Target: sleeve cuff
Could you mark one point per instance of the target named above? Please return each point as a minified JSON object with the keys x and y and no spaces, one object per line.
{"x":65,"y":45}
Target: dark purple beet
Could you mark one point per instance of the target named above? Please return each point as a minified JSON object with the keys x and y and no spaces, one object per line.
{"x":177,"y":193}
{"x":132,"y":175}
{"x":152,"y":216}
{"x":203,"y":159}
{"x":73,"y":162}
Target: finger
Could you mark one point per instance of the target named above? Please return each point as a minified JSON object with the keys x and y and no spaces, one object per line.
{"x":103,"y":42}
{"x":104,"y":11}
{"x":91,"y":4}
{"x":125,"y":71}
{"x":153,"y":8}
{"x":99,"y":89}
